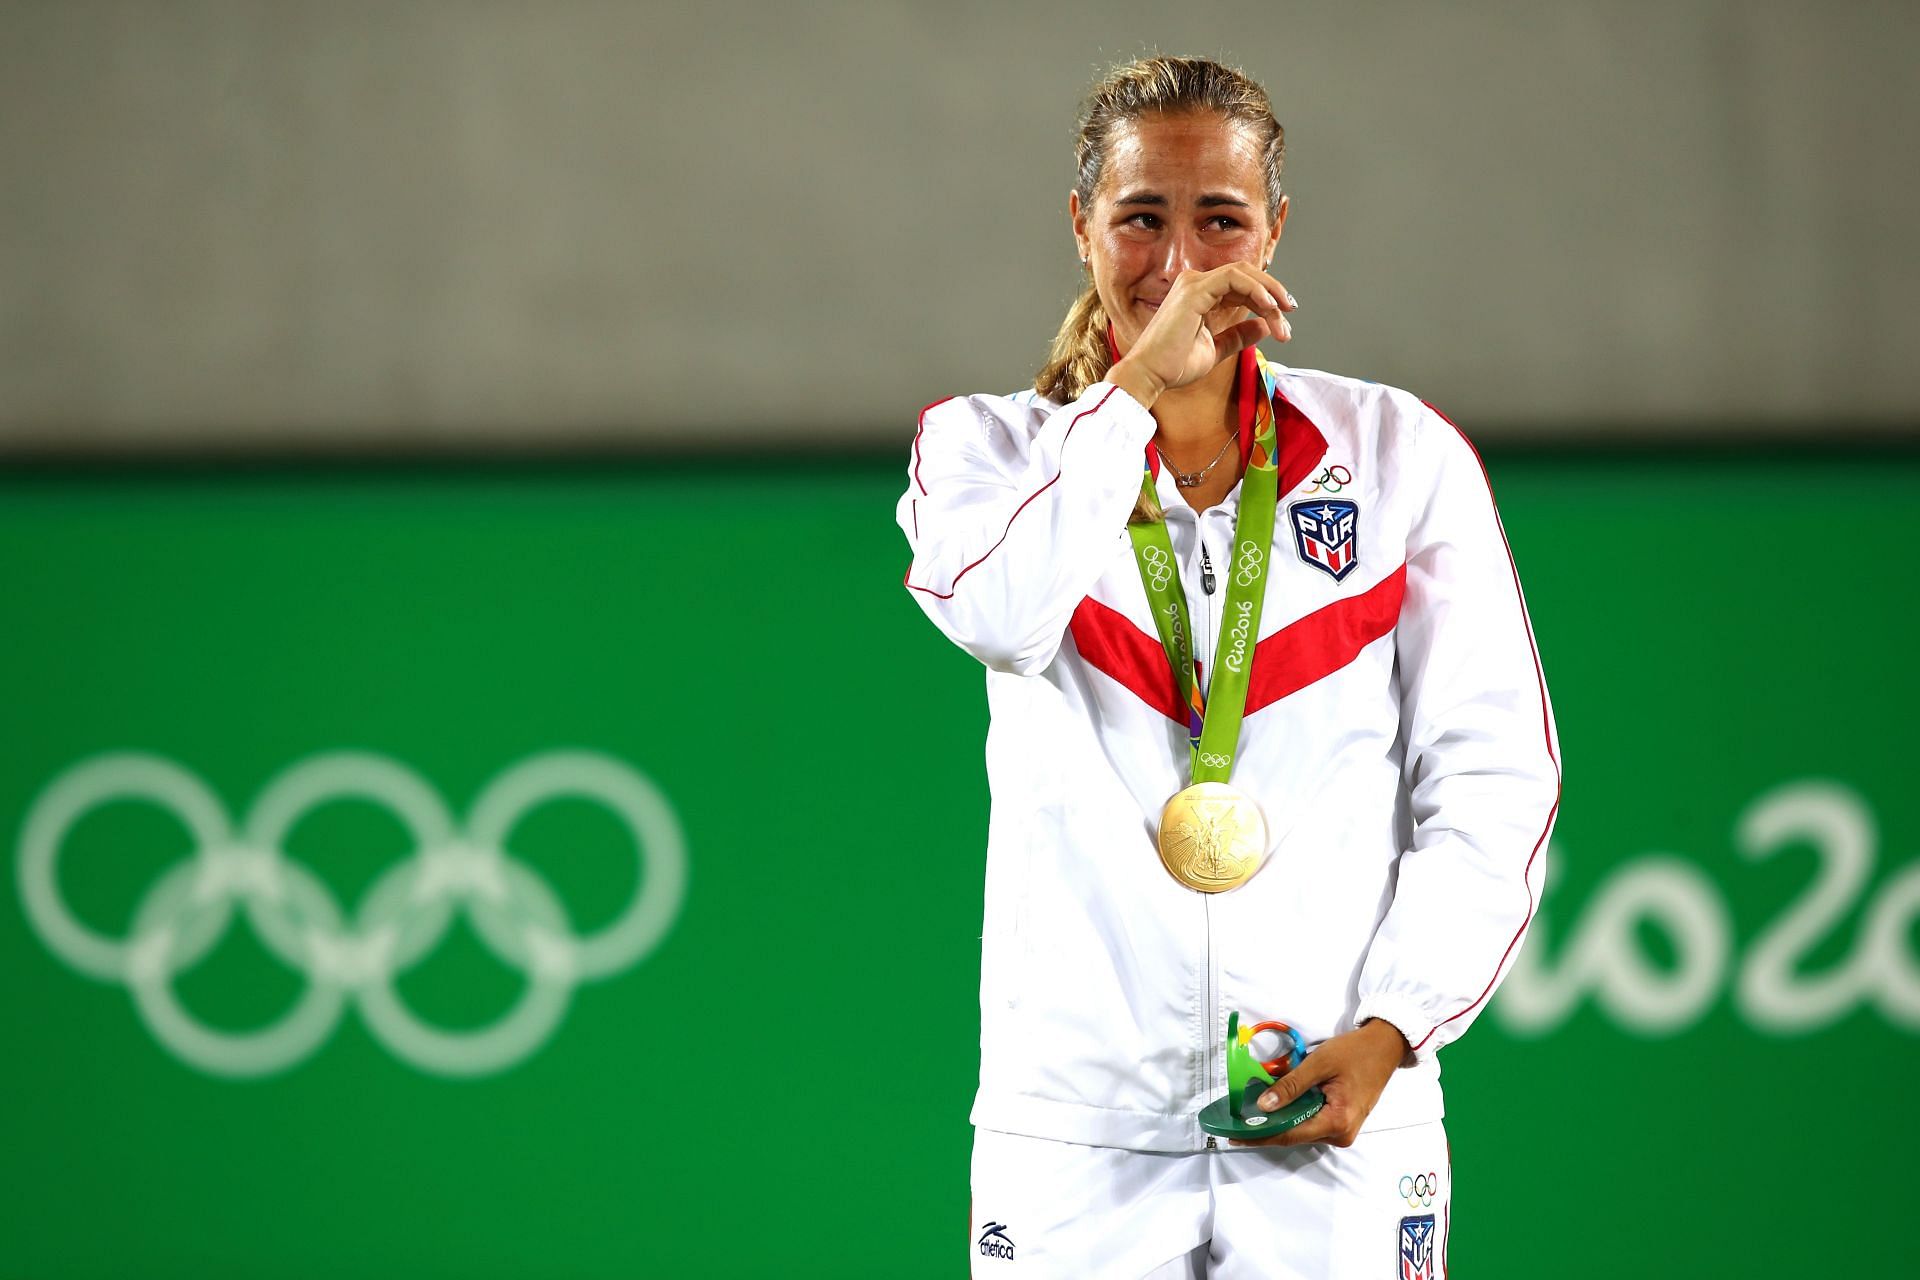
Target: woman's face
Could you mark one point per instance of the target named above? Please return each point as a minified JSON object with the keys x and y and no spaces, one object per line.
{"x":1182,"y":192}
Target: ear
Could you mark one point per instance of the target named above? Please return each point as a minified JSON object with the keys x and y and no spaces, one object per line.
{"x":1077,"y":216}
{"x":1279,"y":224}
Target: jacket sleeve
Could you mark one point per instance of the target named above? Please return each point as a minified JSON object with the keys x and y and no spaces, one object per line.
{"x":1482,"y":766}
{"x":1008,"y":533}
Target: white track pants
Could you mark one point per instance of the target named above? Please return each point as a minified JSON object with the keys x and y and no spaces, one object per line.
{"x":1378,"y":1210}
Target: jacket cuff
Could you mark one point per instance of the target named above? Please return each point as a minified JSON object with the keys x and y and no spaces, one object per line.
{"x":1136,"y":415}
{"x":1406,"y":1018}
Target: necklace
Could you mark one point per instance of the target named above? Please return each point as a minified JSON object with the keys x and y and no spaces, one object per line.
{"x":1188,"y":481}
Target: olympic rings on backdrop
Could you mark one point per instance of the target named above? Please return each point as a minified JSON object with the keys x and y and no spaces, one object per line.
{"x":1418,"y":1189}
{"x":455,"y":867}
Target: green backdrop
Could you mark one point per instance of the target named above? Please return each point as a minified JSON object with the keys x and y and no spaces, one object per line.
{"x":1704,"y":1064}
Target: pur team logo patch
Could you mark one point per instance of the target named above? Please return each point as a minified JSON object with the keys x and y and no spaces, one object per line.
{"x":994,"y":1242}
{"x":1416,"y":1248}
{"x":1326,"y":533}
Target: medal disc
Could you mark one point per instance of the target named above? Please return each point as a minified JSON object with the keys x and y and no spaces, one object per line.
{"x":1212,"y":837}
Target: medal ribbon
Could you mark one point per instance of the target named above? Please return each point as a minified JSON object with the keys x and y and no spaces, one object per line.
{"x":1213,"y":724}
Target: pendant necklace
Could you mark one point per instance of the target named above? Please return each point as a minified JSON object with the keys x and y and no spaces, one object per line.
{"x":1188,"y":481}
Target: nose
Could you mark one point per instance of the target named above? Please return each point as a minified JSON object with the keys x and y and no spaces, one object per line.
{"x":1183,"y":252}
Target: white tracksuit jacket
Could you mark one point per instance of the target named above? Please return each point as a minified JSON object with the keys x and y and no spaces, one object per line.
{"x":1398,"y":739}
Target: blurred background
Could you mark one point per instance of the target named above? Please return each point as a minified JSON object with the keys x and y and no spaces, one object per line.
{"x":481,"y":804}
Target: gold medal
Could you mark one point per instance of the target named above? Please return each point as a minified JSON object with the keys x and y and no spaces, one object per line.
{"x":1212,"y":837}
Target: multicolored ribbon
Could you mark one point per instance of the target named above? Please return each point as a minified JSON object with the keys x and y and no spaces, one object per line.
{"x":1213,"y":731}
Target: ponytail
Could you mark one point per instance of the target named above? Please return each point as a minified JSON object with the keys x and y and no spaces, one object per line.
{"x":1079,"y":358}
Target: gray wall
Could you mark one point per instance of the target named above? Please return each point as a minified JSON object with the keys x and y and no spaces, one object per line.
{"x":408,"y":224}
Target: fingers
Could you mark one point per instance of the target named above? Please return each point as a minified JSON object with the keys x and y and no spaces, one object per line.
{"x":1268,"y":299}
{"x":1273,"y":286}
{"x":1241,"y":285}
{"x":1279,"y":290}
{"x":1331,"y":1125}
{"x":1285,"y":1090}
{"x":1337,"y":1122}
{"x":1315,"y":1068}
{"x":1234,"y":339}
{"x":1262,"y":295}
{"x":1222,"y":318}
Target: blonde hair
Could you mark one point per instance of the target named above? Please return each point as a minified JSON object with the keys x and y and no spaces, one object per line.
{"x":1146,"y":87}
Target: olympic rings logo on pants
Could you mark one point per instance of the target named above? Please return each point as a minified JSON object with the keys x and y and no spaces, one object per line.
{"x":403,"y":916}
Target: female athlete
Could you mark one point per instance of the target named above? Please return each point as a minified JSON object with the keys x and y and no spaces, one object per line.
{"x":1269,"y":738}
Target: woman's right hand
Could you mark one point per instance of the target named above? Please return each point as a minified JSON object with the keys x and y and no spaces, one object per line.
{"x":1194,"y":329}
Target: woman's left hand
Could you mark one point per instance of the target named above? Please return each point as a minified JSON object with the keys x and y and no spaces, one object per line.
{"x":1351,"y":1069}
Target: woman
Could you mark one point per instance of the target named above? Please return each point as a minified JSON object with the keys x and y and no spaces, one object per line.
{"x":1378,"y":726}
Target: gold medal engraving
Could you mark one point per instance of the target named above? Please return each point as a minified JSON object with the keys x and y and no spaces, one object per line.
{"x":1212,"y":837}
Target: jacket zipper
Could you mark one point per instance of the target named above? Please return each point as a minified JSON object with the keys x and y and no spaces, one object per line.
{"x":1203,"y":645}
{"x":1206,"y":1040}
